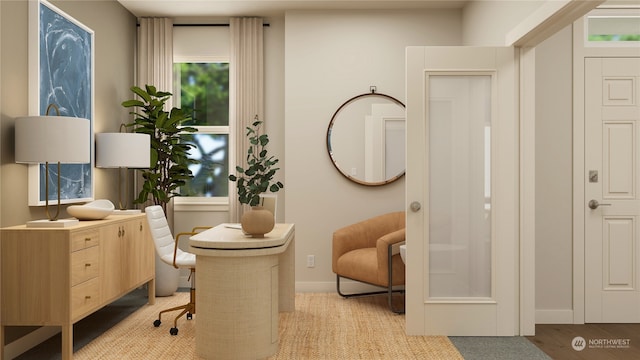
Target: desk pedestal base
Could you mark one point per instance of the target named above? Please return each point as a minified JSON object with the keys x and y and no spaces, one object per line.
{"x":240,"y":318}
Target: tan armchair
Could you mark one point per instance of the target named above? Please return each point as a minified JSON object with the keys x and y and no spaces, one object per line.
{"x":369,"y":252}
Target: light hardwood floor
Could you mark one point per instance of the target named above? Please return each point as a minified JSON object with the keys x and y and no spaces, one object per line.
{"x":603,"y":341}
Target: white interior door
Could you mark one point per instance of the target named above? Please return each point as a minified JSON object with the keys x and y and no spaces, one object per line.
{"x":462,"y":177}
{"x":612,"y":134}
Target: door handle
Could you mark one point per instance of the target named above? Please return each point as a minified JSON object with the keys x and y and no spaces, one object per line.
{"x":593,"y":204}
{"x":415,"y":206}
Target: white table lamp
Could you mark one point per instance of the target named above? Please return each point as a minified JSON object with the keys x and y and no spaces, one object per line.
{"x":123,"y":150}
{"x":52,"y":139}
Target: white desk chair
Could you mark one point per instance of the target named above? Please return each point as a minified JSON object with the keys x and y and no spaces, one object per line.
{"x":170,"y":253}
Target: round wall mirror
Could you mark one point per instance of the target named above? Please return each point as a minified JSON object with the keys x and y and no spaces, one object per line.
{"x":366,"y":139}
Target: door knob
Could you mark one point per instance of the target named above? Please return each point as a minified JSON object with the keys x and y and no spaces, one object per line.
{"x":593,"y":204}
{"x":415,"y":206}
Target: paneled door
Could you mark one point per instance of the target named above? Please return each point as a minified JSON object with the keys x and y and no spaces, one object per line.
{"x":462,"y":191}
{"x":612,"y":182}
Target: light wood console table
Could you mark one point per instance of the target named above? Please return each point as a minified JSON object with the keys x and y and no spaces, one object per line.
{"x":242,"y":284}
{"x":58,"y":276}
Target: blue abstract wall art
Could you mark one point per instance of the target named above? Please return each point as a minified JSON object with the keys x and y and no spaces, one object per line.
{"x":65,"y":73}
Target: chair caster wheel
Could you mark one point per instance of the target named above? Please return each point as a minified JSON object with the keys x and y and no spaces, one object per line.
{"x":189,"y":316}
{"x":157,"y":323}
{"x":173,"y":331}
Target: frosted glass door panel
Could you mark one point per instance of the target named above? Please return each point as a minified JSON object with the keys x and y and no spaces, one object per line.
{"x":460,"y":186}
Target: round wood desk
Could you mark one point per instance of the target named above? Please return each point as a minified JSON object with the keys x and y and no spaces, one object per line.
{"x":241,"y":285}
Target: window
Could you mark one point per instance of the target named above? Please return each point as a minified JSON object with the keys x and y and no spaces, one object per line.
{"x":613,"y":27}
{"x":202,"y":89}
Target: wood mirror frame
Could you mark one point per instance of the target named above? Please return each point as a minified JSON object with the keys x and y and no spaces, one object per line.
{"x":374,"y":123}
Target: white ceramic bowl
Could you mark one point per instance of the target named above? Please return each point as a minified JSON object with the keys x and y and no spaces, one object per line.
{"x":94,"y":210}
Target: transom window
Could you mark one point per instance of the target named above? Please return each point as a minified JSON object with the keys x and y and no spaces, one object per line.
{"x":613,"y":27}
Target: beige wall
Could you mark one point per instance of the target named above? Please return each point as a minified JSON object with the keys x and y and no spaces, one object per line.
{"x":115,"y":30}
{"x":331,"y":57}
{"x":115,"y":33}
{"x":485,"y":23}
{"x":554,"y":167}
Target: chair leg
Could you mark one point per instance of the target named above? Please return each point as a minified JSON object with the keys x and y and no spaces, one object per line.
{"x":356,"y":294}
{"x":390,"y":284}
{"x":189,"y":309}
{"x":389,"y":291}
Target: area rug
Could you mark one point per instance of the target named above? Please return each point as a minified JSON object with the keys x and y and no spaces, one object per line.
{"x":497,"y":348}
{"x":323,"y":326}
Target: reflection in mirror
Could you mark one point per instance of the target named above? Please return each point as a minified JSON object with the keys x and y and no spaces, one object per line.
{"x":366,"y":139}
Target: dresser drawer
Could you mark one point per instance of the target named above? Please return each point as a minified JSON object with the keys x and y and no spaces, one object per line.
{"x":85,"y":265}
{"x":85,"y":297}
{"x":85,"y":239}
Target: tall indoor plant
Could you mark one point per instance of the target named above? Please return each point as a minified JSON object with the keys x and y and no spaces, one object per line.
{"x":256,"y":179}
{"x":169,"y":156}
{"x":169,"y":162}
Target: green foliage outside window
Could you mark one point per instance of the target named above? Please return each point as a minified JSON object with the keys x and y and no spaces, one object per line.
{"x":204,"y":95}
{"x":627,"y":37}
{"x":204,"y":92}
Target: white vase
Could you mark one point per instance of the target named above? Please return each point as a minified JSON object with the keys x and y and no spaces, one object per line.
{"x":167,"y":278}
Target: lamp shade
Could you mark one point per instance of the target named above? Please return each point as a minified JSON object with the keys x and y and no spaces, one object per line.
{"x":130,"y":150}
{"x":41,"y":139}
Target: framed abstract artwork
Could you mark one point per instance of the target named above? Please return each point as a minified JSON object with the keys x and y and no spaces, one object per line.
{"x":61,"y":72}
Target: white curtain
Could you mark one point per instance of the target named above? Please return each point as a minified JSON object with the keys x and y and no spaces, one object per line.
{"x":155,"y":54}
{"x":155,"y":67}
{"x":246,"y":94}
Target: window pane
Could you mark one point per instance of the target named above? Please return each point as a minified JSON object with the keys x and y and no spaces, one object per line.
{"x":614,"y":28}
{"x":210,"y":173}
{"x":203,"y":90}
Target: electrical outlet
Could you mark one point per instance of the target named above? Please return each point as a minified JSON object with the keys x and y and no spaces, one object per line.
{"x":311,"y":261}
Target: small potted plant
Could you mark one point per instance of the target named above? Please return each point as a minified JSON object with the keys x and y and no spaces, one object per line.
{"x":256,"y":179}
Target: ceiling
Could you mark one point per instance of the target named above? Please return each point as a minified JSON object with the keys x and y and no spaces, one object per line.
{"x":266,"y":8}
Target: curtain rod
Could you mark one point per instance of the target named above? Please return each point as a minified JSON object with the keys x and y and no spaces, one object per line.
{"x":208,"y":24}
{"x":187,"y":25}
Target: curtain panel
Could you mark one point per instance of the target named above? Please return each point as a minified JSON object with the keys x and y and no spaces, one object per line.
{"x":155,"y":54}
{"x":155,"y":67}
{"x":246,"y":94}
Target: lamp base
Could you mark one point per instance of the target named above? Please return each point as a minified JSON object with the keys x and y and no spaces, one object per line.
{"x":60,"y":223}
{"x":126,"y":212}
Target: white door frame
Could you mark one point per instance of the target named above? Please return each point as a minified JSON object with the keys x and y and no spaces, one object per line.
{"x":580,"y":52}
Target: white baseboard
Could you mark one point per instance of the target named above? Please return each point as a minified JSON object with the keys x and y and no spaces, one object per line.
{"x":347,"y":286}
{"x":315,"y":286}
{"x":564,"y":316}
{"x":32,"y":339}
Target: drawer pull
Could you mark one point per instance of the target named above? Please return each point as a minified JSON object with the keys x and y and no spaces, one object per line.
{"x":140,"y":226}
{"x":87,"y":239}
{"x":87,"y":264}
{"x":87,"y":297}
